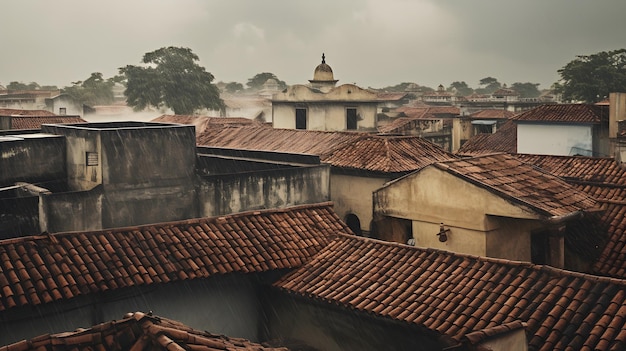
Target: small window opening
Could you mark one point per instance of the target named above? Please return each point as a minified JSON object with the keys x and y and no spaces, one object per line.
{"x":351,"y":119}
{"x":300,"y":118}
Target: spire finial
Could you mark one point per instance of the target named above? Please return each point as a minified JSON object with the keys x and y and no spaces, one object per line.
{"x":323,"y":58}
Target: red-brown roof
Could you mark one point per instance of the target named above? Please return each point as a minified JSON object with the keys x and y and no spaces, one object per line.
{"x":605,"y":180}
{"x":203,"y":122}
{"x":457,"y":295}
{"x":279,"y":140}
{"x":562,"y":113}
{"x":353,"y":150}
{"x":387,"y":154}
{"x":41,"y":269}
{"x":33,"y":122}
{"x":503,"y":140}
{"x":492,"y":114}
{"x":137,"y":331}
{"x":17,"y":112}
{"x":580,"y":169}
{"x":518,"y":181}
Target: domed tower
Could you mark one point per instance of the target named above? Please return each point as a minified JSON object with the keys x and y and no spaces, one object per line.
{"x":323,"y":76}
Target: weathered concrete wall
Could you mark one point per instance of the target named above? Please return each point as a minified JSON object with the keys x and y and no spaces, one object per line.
{"x":71,"y":211}
{"x":232,"y":193}
{"x":147,"y":170}
{"x":325,"y":328}
{"x":32,"y":158}
{"x":223,"y":305}
{"x":19,"y":216}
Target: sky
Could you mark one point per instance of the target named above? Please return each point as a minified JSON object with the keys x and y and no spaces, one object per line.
{"x":371,"y":43}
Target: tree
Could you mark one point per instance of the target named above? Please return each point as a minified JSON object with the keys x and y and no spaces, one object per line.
{"x":590,"y":78}
{"x":526,"y":90}
{"x":489,"y":85}
{"x":256,"y":82}
{"x":233,"y":87}
{"x":95,"y":90}
{"x":461,"y":88}
{"x":171,"y":77}
{"x":22,"y":86}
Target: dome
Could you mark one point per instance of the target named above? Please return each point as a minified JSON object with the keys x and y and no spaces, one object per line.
{"x":323,"y":72}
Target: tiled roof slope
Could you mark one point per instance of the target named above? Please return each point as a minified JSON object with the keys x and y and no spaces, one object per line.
{"x":503,"y":140}
{"x":17,"y":112}
{"x":492,"y":114}
{"x":203,"y":122}
{"x":457,"y":294}
{"x":605,"y":180}
{"x":46,"y":268}
{"x":521,"y":182}
{"x":580,"y":169}
{"x":281,"y":140}
{"x":562,"y":113}
{"x":137,"y":331}
{"x":353,"y":150}
{"x":33,"y":122}
{"x":388,"y":154}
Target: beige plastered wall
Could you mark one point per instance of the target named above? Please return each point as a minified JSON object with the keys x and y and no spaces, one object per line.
{"x":479,"y":221}
{"x":353,"y":194}
{"x":329,"y":116}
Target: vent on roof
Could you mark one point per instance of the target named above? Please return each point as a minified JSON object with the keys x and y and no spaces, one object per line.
{"x":92,"y":158}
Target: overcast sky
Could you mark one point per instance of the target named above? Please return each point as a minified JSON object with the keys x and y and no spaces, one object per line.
{"x":370,"y":43}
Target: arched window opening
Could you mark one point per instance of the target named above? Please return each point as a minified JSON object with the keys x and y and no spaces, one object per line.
{"x":354,"y":224}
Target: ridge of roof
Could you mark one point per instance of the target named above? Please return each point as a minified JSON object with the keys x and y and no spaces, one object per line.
{"x":137,"y":331}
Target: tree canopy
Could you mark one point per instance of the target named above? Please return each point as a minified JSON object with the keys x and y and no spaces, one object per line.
{"x":590,"y":78}
{"x":259,"y":79}
{"x":95,"y":90}
{"x":21,"y":86}
{"x":461,"y":88}
{"x":171,"y":77}
{"x":526,"y":90}
{"x":488,"y":85}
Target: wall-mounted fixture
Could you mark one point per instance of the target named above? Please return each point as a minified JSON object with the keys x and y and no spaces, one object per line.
{"x":443,"y":233}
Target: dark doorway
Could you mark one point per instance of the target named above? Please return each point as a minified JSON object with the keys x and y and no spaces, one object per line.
{"x":354,"y":223}
{"x":539,"y":247}
{"x":300,"y":118}
{"x":351,"y":119}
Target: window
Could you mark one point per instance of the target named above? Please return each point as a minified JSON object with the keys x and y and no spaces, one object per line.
{"x":351,"y":118}
{"x":300,"y":118}
{"x":62,"y":111}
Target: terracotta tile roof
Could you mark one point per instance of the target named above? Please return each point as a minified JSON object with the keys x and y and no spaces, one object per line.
{"x":34,"y":122}
{"x":492,"y":114}
{"x":137,"y":331}
{"x":458,"y":295}
{"x":41,"y":269}
{"x":503,"y":140}
{"x":279,"y":140}
{"x":612,"y":260}
{"x":353,"y":150}
{"x":605,"y":180}
{"x":390,"y":96}
{"x":580,"y":169}
{"x":414,"y":111}
{"x":562,"y":113}
{"x":387,"y":154}
{"x":16,"y":112}
{"x":521,"y":182}
{"x":203,"y":122}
